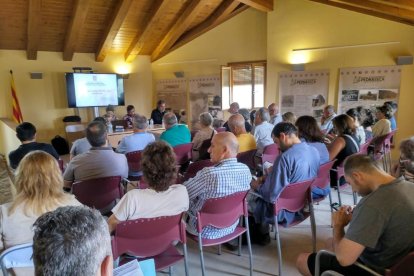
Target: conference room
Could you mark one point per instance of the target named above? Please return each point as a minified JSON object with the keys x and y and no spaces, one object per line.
{"x":201,"y":56}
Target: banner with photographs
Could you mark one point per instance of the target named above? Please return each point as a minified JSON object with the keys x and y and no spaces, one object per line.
{"x":205,"y":96}
{"x":173,"y":92}
{"x":368,"y":86}
{"x":304,"y":93}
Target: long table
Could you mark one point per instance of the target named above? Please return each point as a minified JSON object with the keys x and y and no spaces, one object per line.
{"x":116,"y":137}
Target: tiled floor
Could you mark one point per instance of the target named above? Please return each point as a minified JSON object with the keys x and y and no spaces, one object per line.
{"x":294,"y":241}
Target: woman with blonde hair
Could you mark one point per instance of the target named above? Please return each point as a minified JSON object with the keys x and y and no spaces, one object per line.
{"x":39,"y":185}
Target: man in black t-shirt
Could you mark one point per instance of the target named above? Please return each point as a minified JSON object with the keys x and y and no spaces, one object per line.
{"x":158,"y":113}
{"x":26,"y":133}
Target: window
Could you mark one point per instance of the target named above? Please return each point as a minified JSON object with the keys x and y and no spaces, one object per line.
{"x":243,"y":83}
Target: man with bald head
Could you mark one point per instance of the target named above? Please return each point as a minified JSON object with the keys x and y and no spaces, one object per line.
{"x":226,"y":177}
{"x":246,"y":140}
{"x":275,"y":116}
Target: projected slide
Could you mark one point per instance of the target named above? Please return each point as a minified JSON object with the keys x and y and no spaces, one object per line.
{"x":96,"y":89}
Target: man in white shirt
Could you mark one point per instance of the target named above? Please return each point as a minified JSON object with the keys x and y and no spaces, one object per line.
{"x":263,"y":129}
{"x":275,"y":116}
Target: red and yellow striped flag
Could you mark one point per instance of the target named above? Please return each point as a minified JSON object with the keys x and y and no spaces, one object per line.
{"x":17,"y":113}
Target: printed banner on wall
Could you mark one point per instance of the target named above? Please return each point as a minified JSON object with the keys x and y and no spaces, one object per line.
{"x":368,"y":86}
{"x":173,"y":92}
{"x":304,"y":93}
{"x":205,"y":96}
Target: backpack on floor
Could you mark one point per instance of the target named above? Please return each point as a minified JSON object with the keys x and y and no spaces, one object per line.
{"x":61,"y":145}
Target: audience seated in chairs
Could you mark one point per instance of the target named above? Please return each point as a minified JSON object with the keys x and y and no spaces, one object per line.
{"x":327,"y":117}
{"x":99,"y":161}
{"x":380,"y":232}
{"x":309,"y":132}
{"x":245,"y":140}
{"x":137,"y":141}
{"x":262,"y":129}
{"x":298,"y":162}
{"x":344,"y":143}
{"x":39,"y":190}
{"x":72,"y":241}
{"x":359,"y":131}
{"x":162,"y":198}
{"x":26,"y":133}
{"x":82,"y":145}
{"x":405,"y":166}
{"x":225,"y":178}
{"x":383,"y":125}
{"x":275,"y":116}
{"x":205,"y":133}
{"x":174,"y":134}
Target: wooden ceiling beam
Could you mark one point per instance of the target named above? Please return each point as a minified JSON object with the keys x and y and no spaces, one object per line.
{"x":261,"y":5}
{"x":374,"y":8}
{"x":226,"y":10}
{"x":112,"y":30}
{"x":33,"y":28}
{"x":179,"y":27}
{"x":80,"y":10}
{"x":156,"y":15}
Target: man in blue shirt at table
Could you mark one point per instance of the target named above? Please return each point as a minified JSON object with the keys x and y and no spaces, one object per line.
{"x":298,"y":162}
{"x":175,"y":134}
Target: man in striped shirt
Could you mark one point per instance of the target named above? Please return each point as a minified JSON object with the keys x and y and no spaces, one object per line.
{"x":225,"y":178}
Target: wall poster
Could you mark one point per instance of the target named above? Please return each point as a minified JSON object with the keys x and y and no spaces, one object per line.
{"x":205,"y":95}
{"x":368,"y":86}
{"x":173,"y":92}
{"x":304,"y":93}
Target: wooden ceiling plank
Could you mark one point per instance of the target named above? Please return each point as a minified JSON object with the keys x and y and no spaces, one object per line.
{"x":113,"y":28}
{"x":405,"y":17}
{"x":33,"y":28}
{"x":179,"y":27}
{"x":225,"y":11}
{"x":80,"y":10}
{"x":261,"y":5}
{"x":158,"y":11}
{"x":391,"y":10}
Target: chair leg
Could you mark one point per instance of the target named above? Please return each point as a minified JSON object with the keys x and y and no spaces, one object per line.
{"x":219,"y":249}
{"x":249,"y":245}
{"x":279,"y":247}
{"x":200,"y":247}
{"x":330,"y":200}
{"x":313,"y":227}
{"x":339,"y":193}
{"x":354,"y":195}
{"x":185,"y":259}
{"x":170,"y":270}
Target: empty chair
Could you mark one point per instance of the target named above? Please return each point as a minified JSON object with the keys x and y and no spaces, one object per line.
{"x":382,"y":149}
{"x":193,"y":168}
{"x":293,"y":198}
{"x":322,"y":181}
{"x":134,"y":164}
{"x":247,"y":158}
{"x":100,"y":193}
{"x":18,"y":256}
{"x":151,"y":238}
{"x":223,"y":212}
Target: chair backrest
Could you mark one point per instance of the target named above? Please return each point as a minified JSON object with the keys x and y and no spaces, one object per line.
{"x":203,"y":150}
{"x":247,"y":158}
{"x":61,"y":165}
{"x":98,"y":192}
{"x":293,"y":197}
{"x":183,"y":153}
{"x":193,"y":168}
{"x":268,"y":158}
{"x":363,"y":149}
{"x":16,"y":256}
{"x":272,"y":149}
{"x":134,"y":160}
{"x":322,"y":179}
{"x":405,"y":267}
{"x":222,"y":212}
{"x":147,"y":237}
{"x":220,"y":129}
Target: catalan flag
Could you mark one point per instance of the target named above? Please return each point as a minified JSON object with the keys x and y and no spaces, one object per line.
{"x":17,"y":113}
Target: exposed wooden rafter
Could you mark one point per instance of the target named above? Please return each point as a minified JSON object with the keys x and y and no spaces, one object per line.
{"x":159,"y":9}
{"x":80,"y":10}
{"x":400,"y":11}
{"x":179,"y":27}
{"x":112,"y":30}
{"x":33,"y":28}
{"x":225,"y":11}
{"x":261,"y":5}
